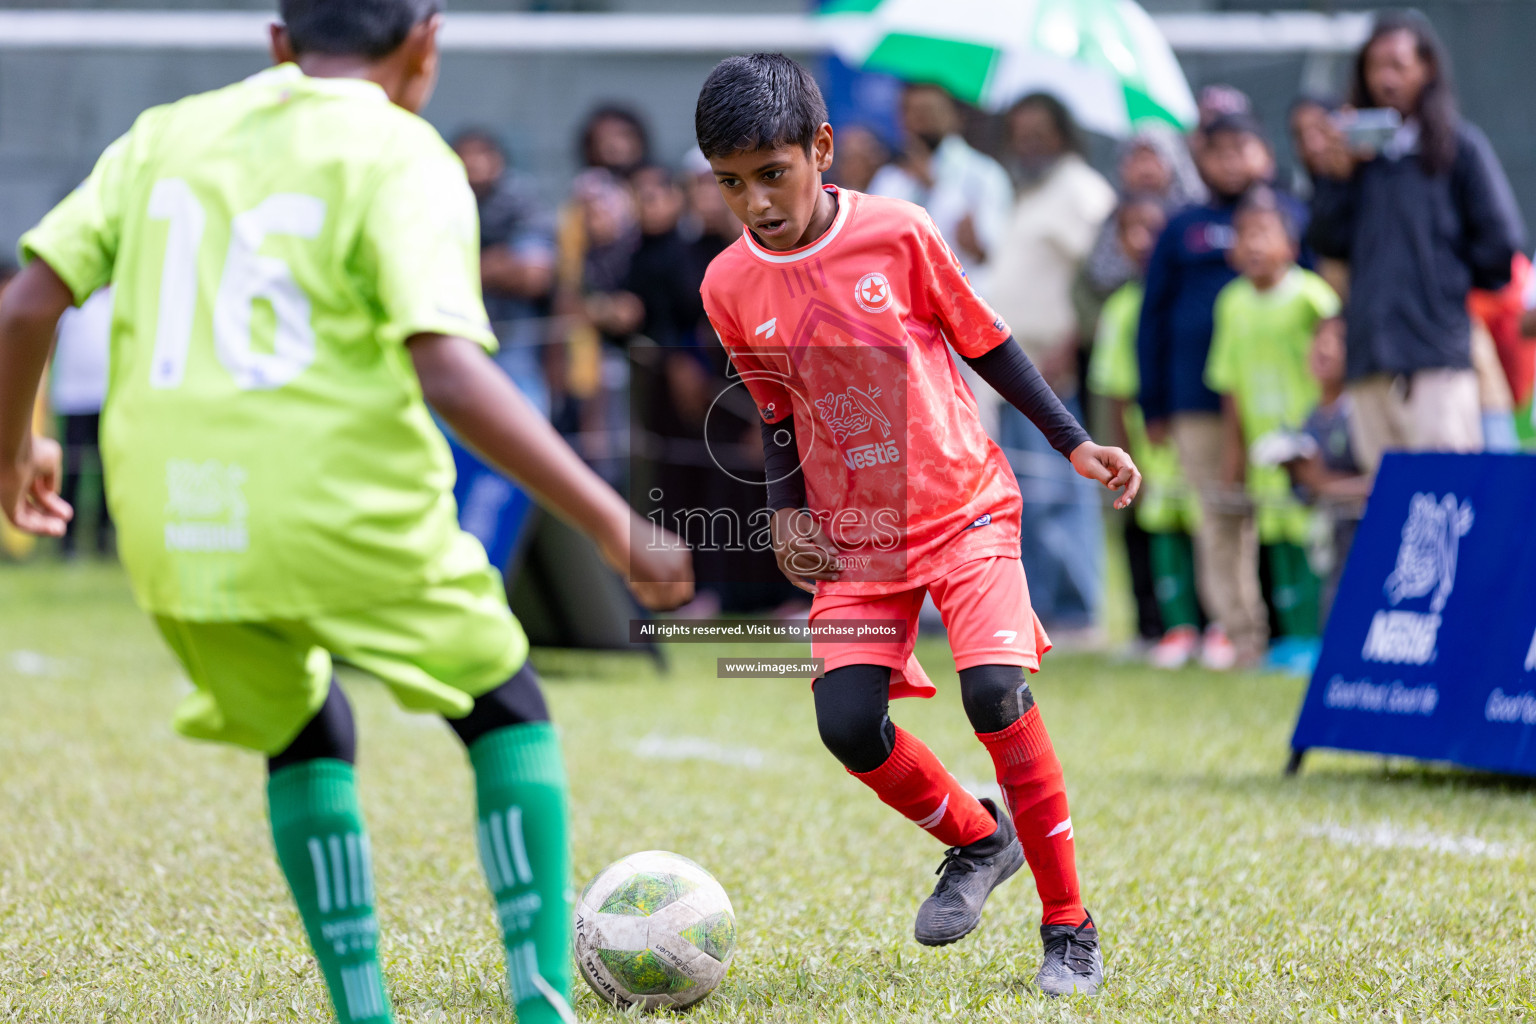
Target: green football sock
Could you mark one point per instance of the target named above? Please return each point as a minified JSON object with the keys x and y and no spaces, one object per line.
{"x":1173,"y":578}
{"x":322,"y":847}
{"x":520,"y":792}
{"x":1295,"y":590}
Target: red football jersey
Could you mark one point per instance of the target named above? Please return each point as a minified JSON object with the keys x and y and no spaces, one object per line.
{"x":851,"y":334}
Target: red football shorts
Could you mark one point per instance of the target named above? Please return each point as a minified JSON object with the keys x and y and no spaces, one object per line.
{"x":986,"y":610}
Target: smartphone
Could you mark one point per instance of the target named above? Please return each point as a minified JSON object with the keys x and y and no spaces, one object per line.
{"x":1369,"y":129}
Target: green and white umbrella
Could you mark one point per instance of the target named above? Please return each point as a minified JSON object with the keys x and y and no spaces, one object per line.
{"x":1105,"y":59}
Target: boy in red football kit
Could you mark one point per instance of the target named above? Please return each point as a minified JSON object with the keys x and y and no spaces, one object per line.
{"x":838,"y":311}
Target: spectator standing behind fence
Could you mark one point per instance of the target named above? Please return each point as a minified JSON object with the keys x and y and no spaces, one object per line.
{"x":1310,"y":122}
{"x":1311,"y":126}
{"x":1154,"y":162}
{"x":664,"y":278}
{"x":966,"y":192}
{"x":1189,"y":267}
{"x":602,"y":315}
{"x":1325,"y":474}
{"x":517,"y":260}
{"x":1259,"y":363}
{"x":1166,"y":512}
{"x":77,"y":388}
{"x":1421,"y":222}
{"x":611,"y":144}
{"x":1061,"y":204}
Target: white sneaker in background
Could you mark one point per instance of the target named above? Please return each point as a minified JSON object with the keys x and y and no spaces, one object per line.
{"x":1218,"y":653}
{"x":1175,"y":649}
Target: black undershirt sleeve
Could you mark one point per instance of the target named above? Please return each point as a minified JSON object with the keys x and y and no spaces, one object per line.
{"x":781,"y":465}
{"x":1015,"y":377}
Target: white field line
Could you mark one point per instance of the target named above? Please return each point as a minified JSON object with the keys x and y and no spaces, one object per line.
{"x":1387,"y":836}
{"x":31,"y":663}
{"x":697,"y":748}
{"x":983,"y":788}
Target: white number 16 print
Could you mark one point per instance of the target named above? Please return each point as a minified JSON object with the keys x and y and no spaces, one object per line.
{"x":247,"y":276}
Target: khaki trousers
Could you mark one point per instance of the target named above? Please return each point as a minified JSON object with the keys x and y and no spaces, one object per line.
{"x":1227,"y":543}
{"x":1429,"y":411}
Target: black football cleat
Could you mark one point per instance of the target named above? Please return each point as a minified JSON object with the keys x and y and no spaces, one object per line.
{"x":966,"y":878}
{"x":1073,"y":963}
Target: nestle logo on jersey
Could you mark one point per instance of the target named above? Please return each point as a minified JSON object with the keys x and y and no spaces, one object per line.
{"x":884,"y":453}
{"x":853,"y":412}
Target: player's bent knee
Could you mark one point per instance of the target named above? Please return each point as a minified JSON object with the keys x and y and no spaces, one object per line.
{"x":995,"y":696}
{"x":517,"y":701}
{"x":851,"y":714}
{"x":860,"y":744}
{"x":331,"y":733}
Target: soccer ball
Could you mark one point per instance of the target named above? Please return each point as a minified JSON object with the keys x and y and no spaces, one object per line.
{"x":654,"y":930}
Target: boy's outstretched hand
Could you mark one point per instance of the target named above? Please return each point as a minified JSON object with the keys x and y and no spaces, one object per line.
{"x":490,"y":414}
{"x":656,"y":564}
{"x":29,"y":489}
{"x":1111,"y":467}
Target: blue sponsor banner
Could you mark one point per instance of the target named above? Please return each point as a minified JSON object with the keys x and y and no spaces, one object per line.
{"x":864,"y":99}
{"x":1430,"y":651}
{"x":491,"y":508}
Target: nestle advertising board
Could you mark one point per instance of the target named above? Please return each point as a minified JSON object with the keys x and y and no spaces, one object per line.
{"x":1430,"y":651}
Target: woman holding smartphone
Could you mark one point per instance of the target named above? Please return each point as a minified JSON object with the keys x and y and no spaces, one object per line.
{"x":1414,"y":199}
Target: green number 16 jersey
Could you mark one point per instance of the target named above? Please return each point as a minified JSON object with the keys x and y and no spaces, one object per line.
{"x":272,"y":245}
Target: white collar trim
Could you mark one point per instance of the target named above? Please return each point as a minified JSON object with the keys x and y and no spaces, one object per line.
{"x":794,"y":255}
{"x":291,"y":73}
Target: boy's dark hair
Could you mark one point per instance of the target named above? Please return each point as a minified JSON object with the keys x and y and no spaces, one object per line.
{"x":353,"y":28}
{"x":1264,"y":199}
{"x":761,"y":101}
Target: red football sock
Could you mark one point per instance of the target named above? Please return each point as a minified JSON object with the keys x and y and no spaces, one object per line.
{"x":1030,"y":777}
{"x":918,"y":785}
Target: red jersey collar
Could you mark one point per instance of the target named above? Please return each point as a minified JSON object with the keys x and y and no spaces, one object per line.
{"x":844,"y":203}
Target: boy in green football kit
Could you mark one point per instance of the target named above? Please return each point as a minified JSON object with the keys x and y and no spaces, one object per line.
{"x":1259,"y":363}
{"x":295,"y":266}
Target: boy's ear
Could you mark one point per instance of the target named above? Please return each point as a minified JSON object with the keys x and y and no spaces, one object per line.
{"x":282,"y":46}
{"x":821,"y":148}
{"x":420,"y":45}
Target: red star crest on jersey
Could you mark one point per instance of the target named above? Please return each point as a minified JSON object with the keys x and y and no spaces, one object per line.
{"x":873,"y":293}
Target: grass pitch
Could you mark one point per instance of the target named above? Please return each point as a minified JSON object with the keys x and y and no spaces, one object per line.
{"x":137,"y":883}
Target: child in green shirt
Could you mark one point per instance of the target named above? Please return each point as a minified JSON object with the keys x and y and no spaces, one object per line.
{"x":295,"y":266}
{"x":1264,"y":324}
{"x":1167,"y":511}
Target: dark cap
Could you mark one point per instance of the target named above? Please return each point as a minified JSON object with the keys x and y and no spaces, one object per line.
{"x":1235,"y":124}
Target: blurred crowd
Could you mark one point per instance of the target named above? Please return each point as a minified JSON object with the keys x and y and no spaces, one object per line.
{"x":1257,"y":341}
